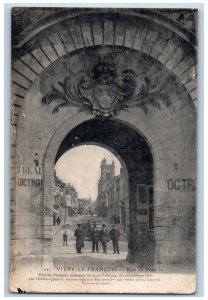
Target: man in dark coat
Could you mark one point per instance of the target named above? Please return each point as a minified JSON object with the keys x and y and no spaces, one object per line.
{"x":104,"y":238}
{"x":58,"y":221}
{"x":95,"y":235}
{"x":115,"y":234}
{"x":79,"y":238}
{"x":88,"y":230}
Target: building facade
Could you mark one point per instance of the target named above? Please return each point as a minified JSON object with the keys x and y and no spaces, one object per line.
{"x":112,"y":199}
{"x":65,"y":201}
{"x":104,"y":185}
{"x":85,"y":206}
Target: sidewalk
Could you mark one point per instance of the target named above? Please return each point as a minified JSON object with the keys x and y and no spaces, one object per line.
{"x":56,"y":229}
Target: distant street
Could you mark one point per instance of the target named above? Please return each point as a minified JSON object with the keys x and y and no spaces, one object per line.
{"x":67,"y":254}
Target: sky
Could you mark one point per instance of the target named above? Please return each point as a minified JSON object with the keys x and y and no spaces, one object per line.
{"x":80,"y":166}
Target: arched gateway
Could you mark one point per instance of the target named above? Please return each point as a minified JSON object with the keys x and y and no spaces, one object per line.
{"x":135,"y":153}
{"x":121,"y":80}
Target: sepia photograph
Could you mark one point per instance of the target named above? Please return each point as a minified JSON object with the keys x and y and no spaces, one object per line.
{"x":103,"y":150}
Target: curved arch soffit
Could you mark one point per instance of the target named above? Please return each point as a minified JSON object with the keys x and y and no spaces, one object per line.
{"x":82,"y":117}
{"x":154,"y":17}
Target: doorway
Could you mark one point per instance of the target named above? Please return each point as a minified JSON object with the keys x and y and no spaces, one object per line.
{"x":134,"y":150}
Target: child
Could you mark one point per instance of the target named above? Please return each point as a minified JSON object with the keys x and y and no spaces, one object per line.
{"x":65,"y":238}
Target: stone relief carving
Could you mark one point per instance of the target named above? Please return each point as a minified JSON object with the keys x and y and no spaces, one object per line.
{"x":104,"y":91}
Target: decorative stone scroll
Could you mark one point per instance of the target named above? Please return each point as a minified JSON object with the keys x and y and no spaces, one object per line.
{"x":104,"y":91}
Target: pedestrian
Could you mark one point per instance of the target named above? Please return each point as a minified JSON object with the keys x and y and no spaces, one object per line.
{"x":65,"y":238}
{"x":115,"y":234}
{"x":95,"y":239}
{"x":88,"y":226}
{"x":79,"y":238}
{"x":104,"y":238}
{"x":58,"y":221}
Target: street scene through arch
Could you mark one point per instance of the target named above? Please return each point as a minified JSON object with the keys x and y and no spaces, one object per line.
{"x":90,"y":188}
{"x":125,"y":200}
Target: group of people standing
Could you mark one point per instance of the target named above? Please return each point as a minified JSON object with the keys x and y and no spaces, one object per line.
{"x":104,"y":237}
{"x":96,"y":236}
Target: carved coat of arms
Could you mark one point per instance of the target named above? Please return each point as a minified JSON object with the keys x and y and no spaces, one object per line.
{"x":104,"y":92}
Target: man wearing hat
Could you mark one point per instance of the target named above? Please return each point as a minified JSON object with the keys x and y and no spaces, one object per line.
{"x":104,"y":238}
{"x":115,"y":234}
{"x":79,"y":238}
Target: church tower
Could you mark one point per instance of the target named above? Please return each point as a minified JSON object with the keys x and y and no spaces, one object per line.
{"x":107,"y":171}
{"x":106,"y":177}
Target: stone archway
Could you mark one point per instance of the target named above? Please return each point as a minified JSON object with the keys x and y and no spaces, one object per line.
{"x":135,"y":153}
{"x":141,"y":239}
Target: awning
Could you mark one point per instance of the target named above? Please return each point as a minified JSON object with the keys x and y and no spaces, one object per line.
{"x":55,"y":212}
